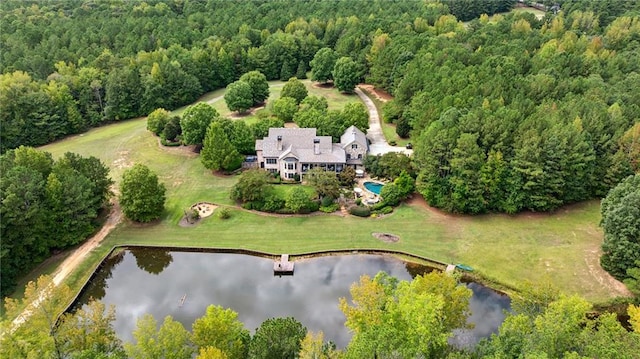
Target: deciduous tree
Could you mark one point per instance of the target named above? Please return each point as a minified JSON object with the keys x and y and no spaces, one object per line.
{"x":277,"y":338}
{"x":195,"y":121}
{"x":238,"y":96}
{"x":142,"y":196}
{"x":252,"y":186}
{"x":157,"y":120}
{"x":355,"y":114}
{"x":294,"y":88}
{"x":89,"y":333}
{"x":297,"y":199}
{"x":325,"y":182}
{"x":345,"y":74}
{"x":259,"y":86}
{"x":171,"y":341}
{"x":285,"y":108}
{"x":221,"y":329}
{"x":322,"y":64}
{"x":401,"y":319}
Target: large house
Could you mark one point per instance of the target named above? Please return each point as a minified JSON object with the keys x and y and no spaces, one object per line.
{"x":294,"y":151}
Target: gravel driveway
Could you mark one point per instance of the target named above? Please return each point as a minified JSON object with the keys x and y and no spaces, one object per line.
{"x":378,"y":144}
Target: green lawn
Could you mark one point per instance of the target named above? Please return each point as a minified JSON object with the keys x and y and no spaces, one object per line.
{"x":503,"y":249}
{"x":335,"y":99}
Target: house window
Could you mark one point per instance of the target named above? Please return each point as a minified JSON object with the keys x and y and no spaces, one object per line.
{"x":271,"y":161}
{"x":290,"y":175}
{"x":291,"y":166}
{"x":354,"y":146}
{"x":305,"y":167}
{"x":348,"y":156}
{"x":360,"y":156}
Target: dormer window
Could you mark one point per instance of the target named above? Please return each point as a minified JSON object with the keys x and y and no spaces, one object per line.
{"x":354,"y":146}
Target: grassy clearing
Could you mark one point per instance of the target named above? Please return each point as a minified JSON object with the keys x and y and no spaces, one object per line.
{"x":282,"y":191}
{"x":335,"y":99}
{"x":506,"y":249}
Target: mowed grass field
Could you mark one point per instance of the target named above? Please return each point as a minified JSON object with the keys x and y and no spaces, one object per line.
{"x":509,"y":250}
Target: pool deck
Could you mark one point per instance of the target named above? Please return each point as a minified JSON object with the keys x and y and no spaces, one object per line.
{"x":367,"y":194}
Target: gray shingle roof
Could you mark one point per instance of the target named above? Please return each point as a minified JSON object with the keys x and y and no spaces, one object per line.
{"x":352,"y":134}
{"x":300,"y":143}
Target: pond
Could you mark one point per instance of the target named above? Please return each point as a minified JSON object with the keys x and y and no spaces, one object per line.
{"x":373,"y":187}
{"x":182,"y":284}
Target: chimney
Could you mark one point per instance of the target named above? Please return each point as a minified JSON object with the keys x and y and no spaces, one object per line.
{"x":316,"y":146}
{"x":279,"y":143}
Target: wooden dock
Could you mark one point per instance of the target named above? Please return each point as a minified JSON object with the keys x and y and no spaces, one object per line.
{"x":450,"y":269}
{"x":283,"y":266}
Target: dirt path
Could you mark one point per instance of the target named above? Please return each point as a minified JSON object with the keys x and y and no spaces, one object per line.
{"x":115,"y":215}
{"x":602,"y":277}
{"x":72,"y":262}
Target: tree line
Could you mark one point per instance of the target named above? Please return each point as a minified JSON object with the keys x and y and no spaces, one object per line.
{"x":514,"y":113}
{"x":387,"y":317}
{"x":68,"y":66}
{"x":47,"y":205}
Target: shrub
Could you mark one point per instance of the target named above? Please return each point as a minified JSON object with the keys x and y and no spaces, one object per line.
{"x":378,"y":206}
{"x":391,"y":111}
{"x":330,"y":209}
{"x":327,"y":201}
{"x":403,"y":127}
{"x":192,"y":215}
{"x":313,"y":206}
{"x":272,"y":204}
{"x":393,"y":143}
{"x":347,"y":176}
{"x":283,"y":211}
{"x":384,"y":210}
{"x":224,"y":213}
{"x":247,"y":205}
{"x":358,"y":201}
{"x":360,"y":211}
{"x":391,"y":194}
{"x":168,"y":143}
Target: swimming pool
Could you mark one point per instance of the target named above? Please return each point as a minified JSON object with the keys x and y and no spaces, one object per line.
{"x":373,"y":187}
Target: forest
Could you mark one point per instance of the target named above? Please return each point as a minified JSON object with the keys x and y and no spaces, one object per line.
{"x":544,"y":109}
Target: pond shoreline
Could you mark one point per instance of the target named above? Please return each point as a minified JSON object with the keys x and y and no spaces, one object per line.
{"x":323,"y":278}
{"x":466,"y":277}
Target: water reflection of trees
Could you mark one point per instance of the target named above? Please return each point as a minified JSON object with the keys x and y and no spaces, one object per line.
{"x":415,"y":269}
{"x":96,"y":289}
{"x":151,"y":260}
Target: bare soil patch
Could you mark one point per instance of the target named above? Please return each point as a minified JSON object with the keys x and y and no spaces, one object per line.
{"x":187,"y":150}
{"x":602,"y":277}
{"x":323,"y":85}
{"x":204,"y":209}
{"x":377,"y":93}
{"x":115,"y":216}
{"x":123,"y":160}
{"x":251,"y":111}
{"x":386,"y":237}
